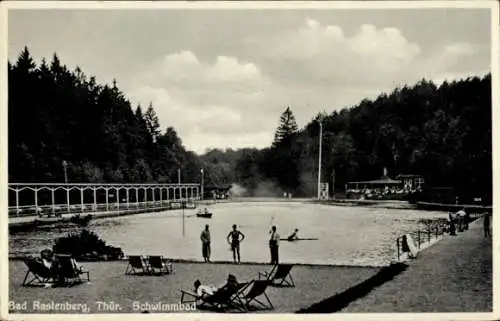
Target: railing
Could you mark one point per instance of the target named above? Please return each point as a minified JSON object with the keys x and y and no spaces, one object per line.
{"x":425,"y":237}
{"x":420,"y":237}
{"x":46,"y":198}
{"x":57,"y":210}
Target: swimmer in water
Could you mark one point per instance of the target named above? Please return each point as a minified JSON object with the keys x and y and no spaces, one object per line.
{"x":294,"y":236}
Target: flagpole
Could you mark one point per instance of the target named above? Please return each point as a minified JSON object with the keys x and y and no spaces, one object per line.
{"x":65,"y":165}
{"x":183,"y":219}
{"x":202,"y":183}
{"x":319,"y":158}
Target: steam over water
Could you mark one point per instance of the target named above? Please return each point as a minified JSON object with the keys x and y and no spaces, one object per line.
{"x":347,"y":235}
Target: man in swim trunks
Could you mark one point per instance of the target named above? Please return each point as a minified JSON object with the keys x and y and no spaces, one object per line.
{"x":233,"y":238}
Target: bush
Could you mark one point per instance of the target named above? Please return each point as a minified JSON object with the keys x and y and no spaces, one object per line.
{"x":86,"y":246}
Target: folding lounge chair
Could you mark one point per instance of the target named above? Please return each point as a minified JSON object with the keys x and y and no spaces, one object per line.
{"x":221,"y":300}
{"x":191,"y":296}
{"x":68,"y":271}
{"x":159,"y":264}
{"x":257,"y":289}
{"x":39,"y":273}
{"x":137,"y":265}
{"x":279,"y":275}
{"x":225,"y":298}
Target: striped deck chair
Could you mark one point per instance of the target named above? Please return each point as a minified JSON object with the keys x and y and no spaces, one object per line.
{"x":69,"y":271}
{"x":40,"y":274}
{"x":279,"y":275}
{"x":137,"y":265}
{"x":160,"y":265}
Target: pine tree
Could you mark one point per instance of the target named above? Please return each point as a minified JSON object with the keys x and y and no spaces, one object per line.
{"x":55,"y":67}
{"x":287,"y":128}
{"x":25,"y":62}
{"x":152,"y":122}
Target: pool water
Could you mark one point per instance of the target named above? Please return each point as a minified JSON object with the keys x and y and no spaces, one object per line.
{"x":346,"y":235}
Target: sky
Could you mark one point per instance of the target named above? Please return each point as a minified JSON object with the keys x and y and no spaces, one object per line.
{"x":222,"y":78}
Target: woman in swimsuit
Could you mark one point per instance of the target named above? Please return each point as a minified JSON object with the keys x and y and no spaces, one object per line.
{"x":233,"y":238}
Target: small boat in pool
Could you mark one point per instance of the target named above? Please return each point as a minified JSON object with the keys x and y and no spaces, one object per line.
{"x":204,"y":213}
{"x":300,"y":239}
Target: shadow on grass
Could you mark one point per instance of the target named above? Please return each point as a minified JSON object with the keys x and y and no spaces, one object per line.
{"x":341,"y":300}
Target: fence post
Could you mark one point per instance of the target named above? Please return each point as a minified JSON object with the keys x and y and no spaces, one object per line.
{"x":418,"y":233}
{"x":397,"y":244}
{"x":17,"y":203}
{"x":429,"y":235}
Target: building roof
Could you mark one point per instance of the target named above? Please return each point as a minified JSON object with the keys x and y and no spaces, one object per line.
{"x":409,"y":176}
{"x":382,"y":180}
{"x":218,"y":186}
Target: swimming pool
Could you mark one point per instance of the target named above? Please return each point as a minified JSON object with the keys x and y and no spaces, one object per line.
{"x":346,"y":235}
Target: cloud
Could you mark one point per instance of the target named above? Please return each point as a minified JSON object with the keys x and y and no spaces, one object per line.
{"x":207,"y":102}
{"x":230,"y":101}
{"x":370,"y":57}
{"x":229,"y":69}
{"x":324,"y":54}
{"x":183,"y":68}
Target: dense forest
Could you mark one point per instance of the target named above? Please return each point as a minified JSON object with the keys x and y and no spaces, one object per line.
{"x":61,"y":116}
{"x":442,"y":133}
{"x":58,"y":116}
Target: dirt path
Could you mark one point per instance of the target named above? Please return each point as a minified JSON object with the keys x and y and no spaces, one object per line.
{"x":454,"y":275}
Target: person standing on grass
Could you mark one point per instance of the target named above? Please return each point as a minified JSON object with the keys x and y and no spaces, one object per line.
{"x":274,"y":245}
{"x":205,"y":243}
{"x":233,"y":238}
{"x":486,"y":225}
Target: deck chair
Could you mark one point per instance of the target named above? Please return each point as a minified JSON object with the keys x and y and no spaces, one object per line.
{"x":221,"y":300}
{"x":159,"y":264}
{"x":40,"y":274}
{"x":257,"y":289}
{"x":279,"y":275}
{"x":70,"y":272}
{"x":137,"y":265}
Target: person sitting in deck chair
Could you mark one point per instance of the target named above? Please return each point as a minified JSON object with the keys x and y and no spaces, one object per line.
{"x":203,"y":290}
{"x":48,"y":259}
{"x":75,"y":264}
